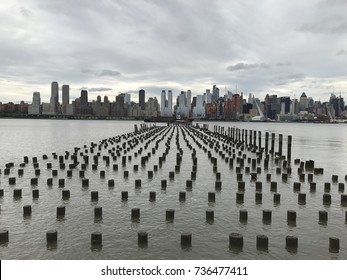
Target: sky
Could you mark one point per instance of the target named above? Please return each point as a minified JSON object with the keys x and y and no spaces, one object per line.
{"x":111,"y":46}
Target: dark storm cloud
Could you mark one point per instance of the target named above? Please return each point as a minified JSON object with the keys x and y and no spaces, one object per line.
{"x":246,"y":66}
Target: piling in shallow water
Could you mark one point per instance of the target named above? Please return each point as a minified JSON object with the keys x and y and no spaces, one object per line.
{"x":291,"y":242}
{"x":51,"y":236}
{"x":262,"y":242}
{"x":96,"y":238}
{"x":334,"y":244}
{"x":235,"y":240}
{"x":27,"y":210}
{"x":142,"y":238}
{"x":186,"y":239}
{"x":170,"y":214}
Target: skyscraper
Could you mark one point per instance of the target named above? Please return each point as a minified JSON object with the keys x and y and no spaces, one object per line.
{"x":189,"y":99}
{"x":66,"y":97}
{"x":169,"y":103}
{"x":162,"y":102}
{"x":166,"y":104}
{"x":142,"y":99}
{"x":182,"y":108}
{"x":35,"y":107}
{"x":215,"y":94}
{"x":127,"y":98}
{"x":54,"y":102}
{"x":208,"y":98}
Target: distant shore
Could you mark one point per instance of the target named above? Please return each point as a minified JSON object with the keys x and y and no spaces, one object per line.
{"x":91,"y":117}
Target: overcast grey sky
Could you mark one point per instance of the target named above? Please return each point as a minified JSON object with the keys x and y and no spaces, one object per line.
{"x":110,"y":46}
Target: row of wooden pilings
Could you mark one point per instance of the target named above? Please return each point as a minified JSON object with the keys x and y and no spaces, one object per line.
{"x":236,"y":240}
{"x":253,"y":139}
{"x":170,"y":214}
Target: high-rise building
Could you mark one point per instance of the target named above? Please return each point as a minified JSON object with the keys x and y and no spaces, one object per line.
{"x":215,"y":94}
{"x":152,"y":107}
{"x":169,"y":103}
{"x":162,"y":102}
{"x":337,"y":103}
{"x":189,"y":99}
{"x":81,"y":105}
{"x":66,"y":97}
{"x":208,"y":97}
{"x":142,"y":102}
{"x":303,"y":102}
{"x":127,"y":98}
{"x":54,"y":102}
{"x":35,"y":107}
{"x":199,"y":108}
{"x":182,"y":108}
{"x":166,"y":104}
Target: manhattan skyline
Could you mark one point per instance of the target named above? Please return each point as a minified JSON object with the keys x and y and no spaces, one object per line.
{"x":107,"y":47}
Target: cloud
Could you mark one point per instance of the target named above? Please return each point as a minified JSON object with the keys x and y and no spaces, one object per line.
{"x":99,"y":89}
{"x":280,"y":64}
{"x":287,"y":79}
{"x":246,"y":66}
{"x":328,"y":27}
{"x":120,"y":45}
{"x":110,"y":73}
{"x":25,"y":12}
{"x":341,"y":52}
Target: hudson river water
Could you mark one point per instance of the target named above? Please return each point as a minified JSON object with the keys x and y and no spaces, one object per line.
{"x":324,"y":143}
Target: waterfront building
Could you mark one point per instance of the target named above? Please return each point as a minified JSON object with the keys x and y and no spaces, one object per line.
{"x":101,"y":108}
{"x":337,"y":103}
{"x":162,"y":102}
{"x":81,"y":105}
{"x":7,"y":108}
{"x":35,"y":107}
{"x":166,"y":104}
{"x":182,"y":108}
{"x":303,"y":102}
{"x":211,"y":110}
{"x":152,"y":107}
{"x":272,"y":106}
{"x":120,"y":108}
{"x":199,"y":108}
{"x":285,"y":105}
{"x":232,"y":107}
{"x":169,"y":103}
{"x":142,"y":101}
{"x":208,"y":96}
{"x":46,"y":108}
{"x":215,"y":94}
{"x":194,"y":101}
{"x":22,"y":108}
{"x":127,"y":98}
{"x":294,"y":110}
{"x":134,"y":110}
{"x":54,"y":102}
{"x":189,"y":101}
{"x":250,"y":98}
{"x":66,"y":99}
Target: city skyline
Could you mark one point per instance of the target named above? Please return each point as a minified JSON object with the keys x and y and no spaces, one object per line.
{"x":109,"y":47}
